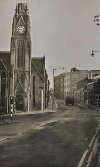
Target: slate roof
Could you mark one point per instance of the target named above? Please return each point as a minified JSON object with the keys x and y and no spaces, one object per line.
{"x":5,"y":57}
{"x":40,"y":64}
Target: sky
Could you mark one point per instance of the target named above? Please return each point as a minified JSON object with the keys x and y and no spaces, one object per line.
{"x":63,"y":30}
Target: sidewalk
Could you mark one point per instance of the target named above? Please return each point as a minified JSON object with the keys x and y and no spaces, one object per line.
{"x":48,"y":109}
{"x":5,"y":119}
{"x":21,"y":123}
{"x":94,"y":158}
{"x":84,"y":105}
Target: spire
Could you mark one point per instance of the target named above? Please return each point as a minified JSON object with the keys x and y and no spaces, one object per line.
{"x":21,"y":19}
{"x":21,"y":8}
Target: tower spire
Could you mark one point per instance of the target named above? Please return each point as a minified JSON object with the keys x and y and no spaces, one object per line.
{"x":21,"y":54}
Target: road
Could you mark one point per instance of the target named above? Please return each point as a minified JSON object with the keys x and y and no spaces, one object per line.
{"x":48,"y":140}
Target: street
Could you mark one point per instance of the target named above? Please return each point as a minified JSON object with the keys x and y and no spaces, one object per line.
{"x":52,"y":139}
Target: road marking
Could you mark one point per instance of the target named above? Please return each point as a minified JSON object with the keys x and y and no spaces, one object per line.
{"x":4,"y":138}
{"x":19,"y":133}
{"x":82,"y":159}
{"x":91,"y":146}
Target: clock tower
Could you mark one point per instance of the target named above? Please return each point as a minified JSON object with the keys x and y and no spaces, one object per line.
{"x":20,"y":49}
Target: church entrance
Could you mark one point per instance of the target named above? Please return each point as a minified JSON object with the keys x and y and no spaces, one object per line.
{"x":19,"y":103}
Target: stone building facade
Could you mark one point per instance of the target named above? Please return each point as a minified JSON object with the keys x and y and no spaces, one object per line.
{"x":25,"y":76}
{"x":20,"y":50}
{"x":65,"y":84}
{"x":59,"y":86}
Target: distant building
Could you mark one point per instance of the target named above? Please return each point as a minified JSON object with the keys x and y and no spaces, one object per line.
{"x":59,"y":86}
{"x":22,"y":76}
{"x":71,"y":79}
{"x":81,"y":89}
{"x":93,"y":91}
{"x":65,"y":84}
{"x":93,"y":73}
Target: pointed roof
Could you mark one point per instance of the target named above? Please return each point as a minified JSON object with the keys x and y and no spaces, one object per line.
{"x":33,"y":64}
{"x":2,"y":65}
{"x":21,"y":21}
{"x":20,"y":7}
{"x":5,"y":57}
{"x":40,"y":64}
{"x":19,"y":88}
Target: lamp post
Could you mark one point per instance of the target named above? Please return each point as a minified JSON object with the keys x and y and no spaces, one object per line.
{"x":93,"y":51}
{"x":92,"y":55}
{"x":54,"y":69}
{"x":96,"y":19}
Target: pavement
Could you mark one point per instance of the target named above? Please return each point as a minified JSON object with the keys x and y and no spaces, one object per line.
{"x":49,"y":108}
{"x":6,"y":119}
{"x":16,"y":126}
{"x":94,"y":158}
{"x":87,"y":106}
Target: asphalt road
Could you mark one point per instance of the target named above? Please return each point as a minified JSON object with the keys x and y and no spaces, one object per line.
{"x":49,"y":140}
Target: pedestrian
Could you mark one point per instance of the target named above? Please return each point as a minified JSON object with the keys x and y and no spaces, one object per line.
{"x":11,"y":115}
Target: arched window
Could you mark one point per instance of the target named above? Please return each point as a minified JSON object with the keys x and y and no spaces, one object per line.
{"x":33,"y":91}
{"x":21,"y":55}
{"x":2,"y":89}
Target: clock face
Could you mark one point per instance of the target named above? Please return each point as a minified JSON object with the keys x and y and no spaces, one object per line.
{"x":20,"y":29}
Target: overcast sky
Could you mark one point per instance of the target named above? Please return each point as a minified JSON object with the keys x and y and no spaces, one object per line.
{"x":63,"y":30}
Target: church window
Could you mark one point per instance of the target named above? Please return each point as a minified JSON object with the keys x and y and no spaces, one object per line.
{"x":33,"y":91}
{"x":20,"y":62}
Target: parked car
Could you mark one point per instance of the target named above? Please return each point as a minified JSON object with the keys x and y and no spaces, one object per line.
{"x":69,"y":100}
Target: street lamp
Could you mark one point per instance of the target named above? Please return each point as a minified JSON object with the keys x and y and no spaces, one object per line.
{"x":92,"y":54}
{"x":96,"y":19}
{"x":54,"y":69}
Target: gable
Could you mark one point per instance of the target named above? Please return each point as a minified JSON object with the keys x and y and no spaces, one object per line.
{"x":39,"y":62}
{"x":2,"y":66}
{"x":20,"y":22}
{"x":19,"y":89}
{"x":5,"y":58}
{"x":33,"y":66}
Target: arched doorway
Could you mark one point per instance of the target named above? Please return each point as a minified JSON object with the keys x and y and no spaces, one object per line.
{"x":19,"y":103}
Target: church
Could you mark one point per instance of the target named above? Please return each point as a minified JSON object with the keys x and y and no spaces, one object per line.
{"x":22,"y":77}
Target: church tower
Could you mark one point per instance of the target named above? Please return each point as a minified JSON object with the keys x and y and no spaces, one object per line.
{"x":20,"y":50}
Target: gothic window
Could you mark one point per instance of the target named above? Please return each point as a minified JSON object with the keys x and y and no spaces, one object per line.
{"x":1,"y":66}
{"x":20,"y":62}
{"x":2,"y":88}
{"x":17,"y":77}
{"x":22,"y":78}
{"x":33,"y":91}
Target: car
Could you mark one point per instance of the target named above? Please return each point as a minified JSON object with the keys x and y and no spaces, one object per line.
{"x":69,"y":100}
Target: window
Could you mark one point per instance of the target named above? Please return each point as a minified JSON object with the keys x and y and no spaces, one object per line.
{"x":21,"y":54}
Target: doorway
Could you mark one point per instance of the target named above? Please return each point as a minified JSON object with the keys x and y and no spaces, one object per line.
{"x":19,"y":103}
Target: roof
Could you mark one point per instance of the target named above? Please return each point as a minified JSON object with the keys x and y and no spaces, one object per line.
{"x":96,"y":77}
{"x":5,"y":57}
{"x":40,"y":64}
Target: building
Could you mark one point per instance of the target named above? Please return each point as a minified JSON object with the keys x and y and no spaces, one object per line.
{"x":65,"y":84}
{"x":22,"y":76}
{"x":59,"y":86}
{"x":39,"y":81}
{"x":4,"y":80}
{"x":93,"y":73}
{"x":93,"y":91}
{"x":75,"y":77}
{"x":81,"y":89}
